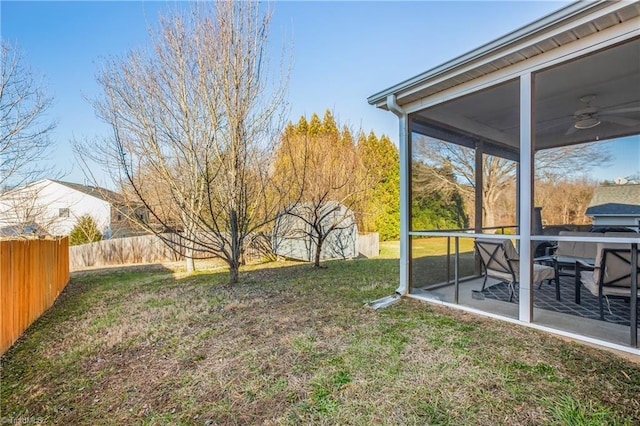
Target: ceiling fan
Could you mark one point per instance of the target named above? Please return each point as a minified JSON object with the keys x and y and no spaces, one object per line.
{"x":591,"y":115}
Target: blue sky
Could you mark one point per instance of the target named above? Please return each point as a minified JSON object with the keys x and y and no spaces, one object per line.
{"x":342,"y":52}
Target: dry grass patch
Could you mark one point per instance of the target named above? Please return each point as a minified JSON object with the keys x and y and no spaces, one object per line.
{"x":294,"y":345}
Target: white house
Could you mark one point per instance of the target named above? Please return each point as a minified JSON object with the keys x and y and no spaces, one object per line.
{"x":54,"y":206}
{"x":615,"y":205}
{"x":569,"y":78}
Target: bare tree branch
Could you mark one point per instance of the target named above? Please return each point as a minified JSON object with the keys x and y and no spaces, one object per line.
{"x":499,"y":174}
{"x":326,"y":169}
{"x":194,"y":123}
{"x":24,"y":132}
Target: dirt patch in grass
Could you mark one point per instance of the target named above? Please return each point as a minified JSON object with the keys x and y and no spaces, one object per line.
{"x":295,"y":345}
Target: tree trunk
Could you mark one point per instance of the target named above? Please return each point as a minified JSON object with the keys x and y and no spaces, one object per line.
{"x":490,"y":208}
{"x":488,"y":219}
{"x":316,"y":262}
{"x":190,"y":264}
{"x":234,"y":264}
{"x":233,"y":273}
{"x":188,"y":240}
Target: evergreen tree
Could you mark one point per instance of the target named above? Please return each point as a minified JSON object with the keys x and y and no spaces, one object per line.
{"x":315,"y":126}
{"x":346,"y":138}
{"x":85,"y":231}
{"x":302,"y":127}
{"x":381,"y":212}
{"x":323,"y":165}
{"x":329,"y":126}
{"x":378,"y":209}
{"x":289,"y":129}
{"x":434,"y":205}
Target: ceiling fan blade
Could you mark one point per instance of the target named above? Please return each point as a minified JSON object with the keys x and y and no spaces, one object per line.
{"x":571,"y":130}
{"x":622,"y":110}
{"x":629,"y":122}
{"x":553,"y":122}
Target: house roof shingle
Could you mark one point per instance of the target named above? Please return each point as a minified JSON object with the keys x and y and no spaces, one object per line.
{"x":97,"y":192}
{"x":616,"y":200}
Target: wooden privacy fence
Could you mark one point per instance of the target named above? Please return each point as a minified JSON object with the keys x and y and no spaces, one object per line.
{"x":33,"y":273}
{"x":120,"y":251}
{"x":151,"y":249}
{"x":369,"y":244}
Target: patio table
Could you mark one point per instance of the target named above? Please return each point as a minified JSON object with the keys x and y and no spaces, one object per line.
{"x":560,"y":265}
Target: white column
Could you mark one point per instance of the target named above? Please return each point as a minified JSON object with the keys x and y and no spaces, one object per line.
{"x":404,"y":147}
{"x":479,"y":178}
{"x":525,"y":187}
{"x":405,"y":206}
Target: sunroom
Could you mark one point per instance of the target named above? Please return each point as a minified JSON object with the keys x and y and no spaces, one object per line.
{"x":568,"y":83}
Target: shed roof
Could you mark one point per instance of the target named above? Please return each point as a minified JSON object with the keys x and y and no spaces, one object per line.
{"x":615,"y":200}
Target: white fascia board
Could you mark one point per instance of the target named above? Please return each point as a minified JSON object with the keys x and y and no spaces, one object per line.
{"x":490,"y":47}
{"x":26,"y":186}
{"x":613,"y":214}
{"x":597,"y":41}
{"x":545,"y":28}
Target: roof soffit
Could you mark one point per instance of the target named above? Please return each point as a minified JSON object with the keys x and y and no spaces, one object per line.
{"x":565,"y":26}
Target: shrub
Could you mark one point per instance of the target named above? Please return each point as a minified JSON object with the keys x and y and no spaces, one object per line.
{"x":85,"y":231}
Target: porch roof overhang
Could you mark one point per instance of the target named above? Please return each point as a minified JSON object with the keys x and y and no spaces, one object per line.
{"x":471,"y":94}
{"x":557,"y":29}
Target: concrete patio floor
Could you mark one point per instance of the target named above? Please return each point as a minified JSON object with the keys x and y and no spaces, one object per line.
{"x":592,"y":328}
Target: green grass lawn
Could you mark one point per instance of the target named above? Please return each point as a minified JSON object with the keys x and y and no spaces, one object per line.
{"x":423,"y":247}
{"x":429,"y":258}
{"x":294,"y":345}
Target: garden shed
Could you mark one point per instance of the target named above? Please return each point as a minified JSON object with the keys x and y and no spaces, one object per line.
{"x":295,"y":233}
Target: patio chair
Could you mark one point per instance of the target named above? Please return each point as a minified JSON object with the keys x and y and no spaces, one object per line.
{"x":610,"y":276}
{"x":500,"y":260}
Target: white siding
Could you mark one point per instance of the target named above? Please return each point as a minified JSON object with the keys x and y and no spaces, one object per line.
{"x":615,"y":221}
{"x":43,"y":201}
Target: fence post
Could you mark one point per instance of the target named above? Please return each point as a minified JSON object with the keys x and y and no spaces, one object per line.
{"x":456,"y":262}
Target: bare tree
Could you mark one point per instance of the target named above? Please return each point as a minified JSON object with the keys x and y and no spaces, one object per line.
{"x":499,"y":174}
{"x":194,"y":121}
{"x":324,"y":164}
{"x":565,"y":201}
{"x":24,"y":132}
{"x":316,"y":230}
